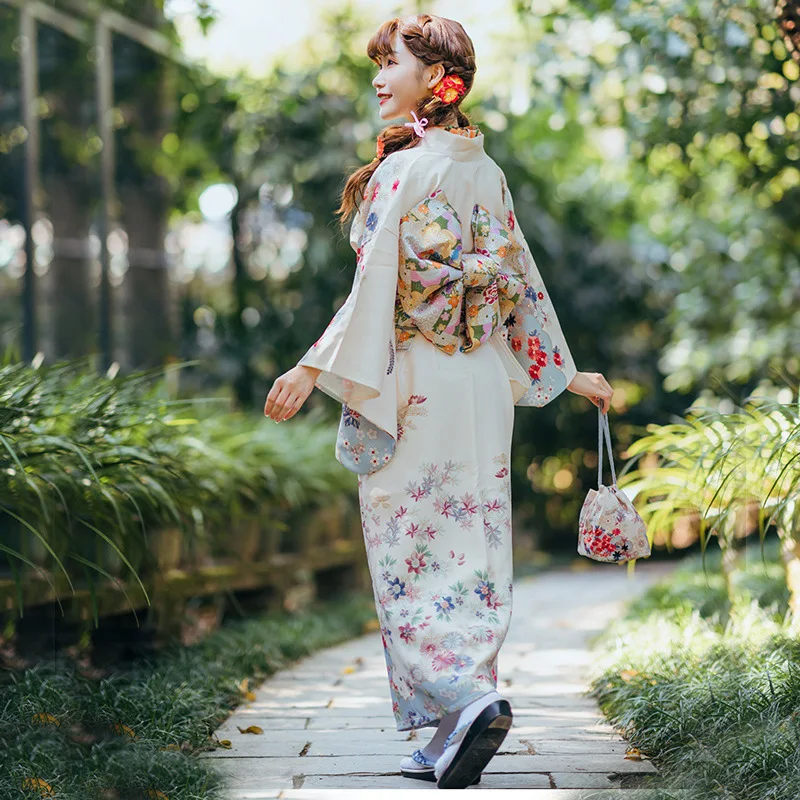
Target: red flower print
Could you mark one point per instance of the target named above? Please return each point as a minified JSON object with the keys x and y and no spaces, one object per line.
{"x":516,"y":344}
{"x":540,"y":295}
{"x":493,"y":600}
{"x":557,"y":360}
{"x":534,"y":371}
{"x":468,"y":504}
{"x":415,"y":562}
{"x":431,"y":532}
{"x":407,"y":633}
{"x":510,"y":220}
{"x":375,"y":191}
{"x":490,"y":293}
{"x":400,"y":512}
{"x":442,"y":661}
{"x":395,"y":185}
{"x":413,"y":529}
{"x":502,"y":473}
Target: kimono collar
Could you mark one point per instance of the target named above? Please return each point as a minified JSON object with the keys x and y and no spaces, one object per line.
{"x":457,"y":146}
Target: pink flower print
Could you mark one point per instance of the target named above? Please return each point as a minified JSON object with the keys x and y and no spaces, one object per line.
{"x":510,"y":220}
{"x":400,"y":512}
{"x":428,"y":649}
{"x":415,"y":562}
{"x":494,"y":601}
{"x":413,"y":529}
{"x":375,"y":191}
{"x":395,"y":185}
{"x":490,"y":293}
{"x":430,"y":532}
{"x":416,"y":399}
{"x":395,"y":707}
{"x":442,"y":661}
{"x":407,"y":633}
{"x":444,"y":507}
{"x":418,"y":494}
{"x":469,"y":504}
{"x":501,"y":473}
{"x":460,"y":557}
{"x":492,"y":505}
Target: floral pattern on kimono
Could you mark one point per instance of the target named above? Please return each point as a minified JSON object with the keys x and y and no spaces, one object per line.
{"x":356,"y":352}
{"x":533,"y":331}
{"x":443,"y":618}
{"x":411,"y":275}
{"x":446,"y":294}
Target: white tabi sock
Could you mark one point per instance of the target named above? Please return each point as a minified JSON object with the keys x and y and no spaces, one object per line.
{"x":435,"y":746}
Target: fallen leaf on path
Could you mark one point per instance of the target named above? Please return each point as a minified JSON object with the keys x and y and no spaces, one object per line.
{"x":252,"y":729}
{"x":633,"y":754}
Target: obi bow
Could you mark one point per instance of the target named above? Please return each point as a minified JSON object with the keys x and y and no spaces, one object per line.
{"x":445,"y":293}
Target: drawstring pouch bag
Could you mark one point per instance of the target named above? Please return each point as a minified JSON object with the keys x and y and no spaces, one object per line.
{"x":609,"y":527}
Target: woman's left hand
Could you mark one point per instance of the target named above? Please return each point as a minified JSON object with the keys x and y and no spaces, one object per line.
{"x":289,"y":392}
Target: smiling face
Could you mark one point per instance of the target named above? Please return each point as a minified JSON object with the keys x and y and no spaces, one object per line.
{"x":402,"y":81}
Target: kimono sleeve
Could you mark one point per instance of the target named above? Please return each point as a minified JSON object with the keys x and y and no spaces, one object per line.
{"x":356,"y":351}
{"x":533,"y":332}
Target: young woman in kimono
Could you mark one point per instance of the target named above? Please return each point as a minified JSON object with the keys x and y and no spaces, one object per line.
{"x":447,"y":328}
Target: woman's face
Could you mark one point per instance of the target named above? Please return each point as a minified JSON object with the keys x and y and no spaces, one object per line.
{"x":401,"y":84}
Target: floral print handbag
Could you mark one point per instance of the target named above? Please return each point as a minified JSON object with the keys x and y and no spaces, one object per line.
{"x":609,"y":527}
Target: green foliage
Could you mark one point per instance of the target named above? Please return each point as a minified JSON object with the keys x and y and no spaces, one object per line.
{"x":720,"y":464}
{"x":88,"y":734}
{"x":698,"y":102}
{"x":706,"y":688}
{"x":91,"y":466}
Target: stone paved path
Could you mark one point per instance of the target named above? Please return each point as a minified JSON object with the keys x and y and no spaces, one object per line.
{"x":328,"y":724}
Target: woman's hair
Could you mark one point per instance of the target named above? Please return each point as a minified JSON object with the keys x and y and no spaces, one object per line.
{"x":432,"y":40}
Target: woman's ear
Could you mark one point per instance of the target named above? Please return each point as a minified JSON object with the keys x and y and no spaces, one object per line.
{"x":435,"y":74}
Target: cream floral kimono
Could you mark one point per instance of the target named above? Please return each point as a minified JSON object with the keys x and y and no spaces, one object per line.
{"x":447,"y":327}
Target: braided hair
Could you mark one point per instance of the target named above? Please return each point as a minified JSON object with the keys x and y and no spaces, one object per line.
{"x":432,"y":40}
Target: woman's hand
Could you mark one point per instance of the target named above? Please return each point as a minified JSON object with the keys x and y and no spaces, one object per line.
{"x":289,"y":392}
{"x":594,"y":386}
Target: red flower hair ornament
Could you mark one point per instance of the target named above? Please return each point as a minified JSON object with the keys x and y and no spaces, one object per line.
{"x":450,"y":89}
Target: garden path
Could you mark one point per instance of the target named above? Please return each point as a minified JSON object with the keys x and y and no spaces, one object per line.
{"x":328,"y":724}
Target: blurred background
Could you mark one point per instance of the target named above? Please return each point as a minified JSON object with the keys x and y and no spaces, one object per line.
{"x":169,"y":174}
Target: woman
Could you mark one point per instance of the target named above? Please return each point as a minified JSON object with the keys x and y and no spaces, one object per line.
{"x":447,"y":327}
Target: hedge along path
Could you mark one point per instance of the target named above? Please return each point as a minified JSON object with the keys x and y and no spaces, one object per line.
{"x":327,"y":722}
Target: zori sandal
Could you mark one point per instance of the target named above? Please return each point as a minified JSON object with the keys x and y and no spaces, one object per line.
{"x":470,"y":747}
{"x":420,"y":767}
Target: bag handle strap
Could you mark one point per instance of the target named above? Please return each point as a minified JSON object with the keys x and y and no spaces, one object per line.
{"x":602,"y":428}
